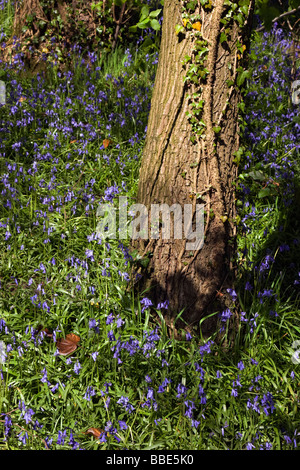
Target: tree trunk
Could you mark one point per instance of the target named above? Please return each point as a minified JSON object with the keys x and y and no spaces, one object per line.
{"x":181,"y":166}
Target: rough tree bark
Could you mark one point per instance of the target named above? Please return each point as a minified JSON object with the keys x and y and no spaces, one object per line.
{"x":175,"y":170}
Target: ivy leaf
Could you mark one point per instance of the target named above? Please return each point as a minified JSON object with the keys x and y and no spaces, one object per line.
{"x":242,"y":77}
{"x":197,"y":26}
{"x":179,"y":29}
{"x":191,"y":5}
{"x":186,"y":59}
{"x":223,"y":37}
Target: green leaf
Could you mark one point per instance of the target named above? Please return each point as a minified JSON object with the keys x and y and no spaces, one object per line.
{"x":191,"y":5}
{"x":155,"y":25}
{"x":239,"y":17}
{"x":179,"y":29}
{"x":144,"y":12}
{"x":203,"y":51}
{"x":241,"y":106}
{"x":143,"y":24}
{"x":264,"y":193}
{"x":244,"y":9}
{"x":147,"y":43}
{"x":223,"y":37}
{"x":238,"y":155}
{"x":145,"y":262}
{"x":154,"y":14}
{"x":242,"y":77}
{"x":186,"y":59}
{"x":257,"y":175}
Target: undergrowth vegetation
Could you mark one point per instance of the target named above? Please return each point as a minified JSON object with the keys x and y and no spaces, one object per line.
{"x":72,"y":139}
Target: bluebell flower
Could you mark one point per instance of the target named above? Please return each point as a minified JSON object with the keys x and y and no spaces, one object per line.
{"x":268,"y":403}
{"x":122,"y":424}
{"x":107,"y":385}
{"x":248,"y":286}
{"x":190,"y":406}
{"x":61,"y":437}
{"x":54,"y":388}
{"x":23,"y":436}
{"x":90,"y":254}
{"x":146,"y":303}
{"x":164,"y":304}
{"x":94,"y":355}
{"x":110,"y":319}
{"x":77,"y":367}
{"x":111,"y":192}
{"x":163,"y":386}
{"x":111,"y":336}
{"x":266,"y":264}
{"x":206,"y":348}
{"x":44,"y":379}
{"x":124,"y":401}
{"x":7,"y":425}
{"x":119,"y":321}
{"x":250,"y":446}
{"x":226,"y":315}
{"x":195,"y":423}
{"x":93,"y":325}
{"x":202,"y":395}
{"x":181,"y":390}
{"x":188,"y":336}
{"x":233,"y":294}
